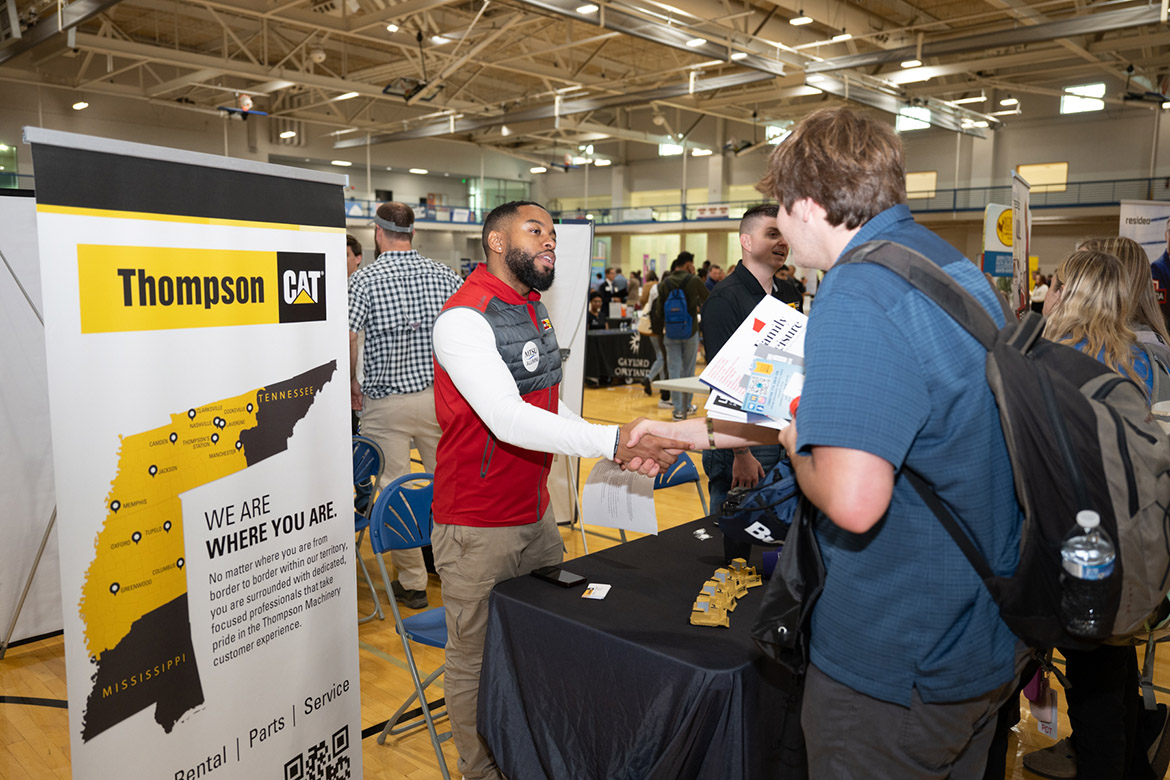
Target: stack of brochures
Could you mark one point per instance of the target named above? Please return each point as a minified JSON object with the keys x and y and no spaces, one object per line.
{"x":760,"y":369}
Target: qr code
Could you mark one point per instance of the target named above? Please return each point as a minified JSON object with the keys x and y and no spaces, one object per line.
{"x":322,"y":761}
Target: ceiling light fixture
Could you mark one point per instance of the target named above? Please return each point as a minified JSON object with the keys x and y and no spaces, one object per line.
{"x":700,"y":152}
{"x":341,"y":163}
{"x":439,"y":40}
{"x":980,"y":98}
{"x":80,"y":105}
{"x":911,"y":63}
{"x":347,"y":96}
{"x":842,"y":36}
{"x":739,"y":55}
{"x":695,"y":42}
{"x":814,"y":78}
{"x":797,"y":21}
{"x":391,"y":27}
{"x":1009,"y":101}
{"x":419,"y":171}
{"x":1009,"y":112}
{"x":602,"y":163}
{"x":289,"y":134}
{"x":537,"y":169}
{"x":588,"y":8}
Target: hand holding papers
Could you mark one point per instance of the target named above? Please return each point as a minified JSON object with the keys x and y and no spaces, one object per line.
{"x":760,"y":370}
{"x":619,"y":499}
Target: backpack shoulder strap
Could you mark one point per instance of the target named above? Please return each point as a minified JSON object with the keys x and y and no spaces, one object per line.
{"x":931,"y":281}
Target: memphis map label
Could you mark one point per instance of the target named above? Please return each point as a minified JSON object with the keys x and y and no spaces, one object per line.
{"x":134,"y":599}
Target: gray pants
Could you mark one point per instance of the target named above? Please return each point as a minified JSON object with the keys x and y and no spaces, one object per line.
{"x":851,"y":735}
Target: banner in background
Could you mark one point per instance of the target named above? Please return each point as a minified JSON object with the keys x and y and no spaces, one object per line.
{"x":195,"y":312}
{"x":1148,"y":223}
{"x":997,"y":240}
{"x":26,"y":457}
{"x":1021,"y":241}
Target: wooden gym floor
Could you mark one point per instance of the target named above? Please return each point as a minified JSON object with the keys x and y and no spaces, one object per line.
{"x":34,"y":740}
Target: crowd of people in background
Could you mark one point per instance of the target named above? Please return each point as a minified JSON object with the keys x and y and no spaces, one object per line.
{"x":927,"y":690}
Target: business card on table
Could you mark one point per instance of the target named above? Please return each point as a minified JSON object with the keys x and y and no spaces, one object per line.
{"x":595,"y":590}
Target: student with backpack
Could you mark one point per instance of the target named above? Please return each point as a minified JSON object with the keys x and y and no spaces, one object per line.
{"x":1089,"y":307}
{"x":676,"y":317}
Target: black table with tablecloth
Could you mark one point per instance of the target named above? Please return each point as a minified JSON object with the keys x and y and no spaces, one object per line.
{"x":618,"y":355}
{"x":626,"y":688}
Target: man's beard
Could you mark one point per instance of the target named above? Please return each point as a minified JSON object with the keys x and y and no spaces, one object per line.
{"x":523,"y":266}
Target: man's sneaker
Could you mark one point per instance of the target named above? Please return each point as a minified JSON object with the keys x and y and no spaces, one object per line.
{"x":678,"y":416}
{"x":665,"y":405}
{"x":1058,"y":761}
{"x":415,"y":599}
{"x":692,"y":409}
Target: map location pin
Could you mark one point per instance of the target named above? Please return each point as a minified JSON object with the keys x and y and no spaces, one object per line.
{"x":239,"y":444}
{"x":250,"y":407}
{"x":180,"y":563}
{"x":167,"y":526}
{"x":214,"y":438}
{"x":174,"y":438}
{"x":153,"y":470}
{"x":115,"y":506}
{"x":191,"y":413}
{"x":114,"y":588}
{"x":136,"y":537}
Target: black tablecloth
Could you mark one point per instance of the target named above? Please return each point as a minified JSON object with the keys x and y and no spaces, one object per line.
{"x":627,"y":687}
{"x":619,"y":354}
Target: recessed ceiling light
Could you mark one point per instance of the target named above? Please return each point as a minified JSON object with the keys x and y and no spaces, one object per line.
{"x":799,"y":20}
{"x":842,"y":37}
{"x":439,"y":40}
{"x":391,"y":28}
{"x":911,"y":63}
{"x":1009,"y":101}
{"x":588,"y":8}
{"x":347,"y":96}
{"x":700,"y":152}
{"x":739,"y":55}
{"x":419,"y":170}
{"x":289,"y":134}
{"x":537,"y":169}
{"x":602,"y":163}
{"x":80,"y":105}
{"x":341,"y":163}
{"x":694,"y":42}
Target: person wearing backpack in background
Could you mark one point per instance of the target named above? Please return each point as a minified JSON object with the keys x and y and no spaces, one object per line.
{"x":1090,"y":306}
{"x":680,"y":295}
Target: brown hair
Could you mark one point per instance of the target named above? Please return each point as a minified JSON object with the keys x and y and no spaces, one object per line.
{"x":1136,"y":267}
{"x":355,"y":246}
{"x":398,"y":213}
{"x":847,"y":162}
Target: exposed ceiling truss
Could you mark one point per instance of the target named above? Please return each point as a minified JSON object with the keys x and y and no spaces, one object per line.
{"x":527,"y":76}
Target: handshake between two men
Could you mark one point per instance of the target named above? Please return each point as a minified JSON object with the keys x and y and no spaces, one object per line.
{"x":645,"y":452}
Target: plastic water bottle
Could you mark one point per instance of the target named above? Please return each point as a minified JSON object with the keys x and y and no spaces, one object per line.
{"x":1087,"y":557}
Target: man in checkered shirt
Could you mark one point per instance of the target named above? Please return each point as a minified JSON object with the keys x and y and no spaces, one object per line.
{"x":395,"y":300}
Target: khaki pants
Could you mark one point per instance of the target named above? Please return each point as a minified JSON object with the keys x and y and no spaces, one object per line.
{"x":392,"y":422}
{"x":470,"y":561}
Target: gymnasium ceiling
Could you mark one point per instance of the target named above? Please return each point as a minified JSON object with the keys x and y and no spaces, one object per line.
{"x":529,"y":76}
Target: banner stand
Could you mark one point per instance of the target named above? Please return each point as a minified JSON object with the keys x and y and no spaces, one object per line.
{"x":52,"y":518}
{"x":28,"y":583}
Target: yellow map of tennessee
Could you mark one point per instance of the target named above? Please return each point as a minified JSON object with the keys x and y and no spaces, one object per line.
{"x":139,"y":564}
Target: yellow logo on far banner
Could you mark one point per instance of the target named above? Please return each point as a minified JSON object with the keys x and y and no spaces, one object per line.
{"x":1003,"y":227}
{"x":132,"y":288}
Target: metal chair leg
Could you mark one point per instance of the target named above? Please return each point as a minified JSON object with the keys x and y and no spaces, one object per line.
{"x":377,"y":613}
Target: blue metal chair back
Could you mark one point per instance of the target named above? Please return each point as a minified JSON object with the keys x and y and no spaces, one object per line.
{"x":367,"y":464}
{"x":680,"y":472}
{"x":402,"y":514}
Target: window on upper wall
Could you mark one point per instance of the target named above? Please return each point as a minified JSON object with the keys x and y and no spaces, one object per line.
{"x":921,"y":184}
{"x":1045,"y":177}
{"x":912,"y":118}
{"x":1082,"y":98}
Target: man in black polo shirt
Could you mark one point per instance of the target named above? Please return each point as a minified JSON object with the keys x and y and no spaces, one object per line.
{"x":730,"y":303}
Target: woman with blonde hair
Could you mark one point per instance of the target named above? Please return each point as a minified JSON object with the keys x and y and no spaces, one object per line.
{"x":1089,"y":307}
{"x":1146,"y":317}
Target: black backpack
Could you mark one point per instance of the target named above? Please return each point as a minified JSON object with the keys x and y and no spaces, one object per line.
{"x":1079,"y":437}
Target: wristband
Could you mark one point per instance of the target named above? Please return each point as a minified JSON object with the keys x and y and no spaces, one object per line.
{"x":617,"y":442}
{"x":711,"y":432}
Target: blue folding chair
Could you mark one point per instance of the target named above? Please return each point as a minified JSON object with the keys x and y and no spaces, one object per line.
{"x":681,"y":472}
{"x":402,"y":520}
{"x":367,"y":465}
